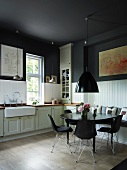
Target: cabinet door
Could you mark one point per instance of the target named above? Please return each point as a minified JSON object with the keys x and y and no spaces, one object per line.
{"x":56,"y":112}
{"x":1,"y":122}
{"x":42,"y":119}
{"x":27,"y":123}
{"x":66,"y":85}
{"x":65,"y":72}
{"x":11,"y":126}
{"x":65,"y":55}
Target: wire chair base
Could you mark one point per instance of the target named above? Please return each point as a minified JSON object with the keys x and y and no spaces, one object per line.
{"x":57,"y":140}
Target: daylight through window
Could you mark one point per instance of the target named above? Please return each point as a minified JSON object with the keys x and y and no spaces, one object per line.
{"x":34,"y":78}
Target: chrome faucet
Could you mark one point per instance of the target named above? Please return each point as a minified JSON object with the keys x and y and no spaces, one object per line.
{"x":16,"y":98}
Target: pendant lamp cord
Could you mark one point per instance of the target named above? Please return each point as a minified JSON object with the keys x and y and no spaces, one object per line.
{"x":86,"y":49}
{"x":17,"y":49}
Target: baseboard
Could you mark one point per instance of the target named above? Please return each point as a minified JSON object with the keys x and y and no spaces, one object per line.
{"x":22,"y":135}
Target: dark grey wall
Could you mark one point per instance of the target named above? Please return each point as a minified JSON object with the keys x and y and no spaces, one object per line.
{"x":77,"y":60}
{"x":32,"y":46}
{"x":106,"y":41}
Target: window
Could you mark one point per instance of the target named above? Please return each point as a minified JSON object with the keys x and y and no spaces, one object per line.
{"x":34,"y":77}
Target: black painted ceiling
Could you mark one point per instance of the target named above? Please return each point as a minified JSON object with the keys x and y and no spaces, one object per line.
{"x":61,"y":21}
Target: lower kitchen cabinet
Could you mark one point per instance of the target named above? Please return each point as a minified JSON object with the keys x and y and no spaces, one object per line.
{"x":1,"y":122}
{"x":11,"y":126}
{"x":15,"y":125}
{"x":27,"y":124}
{"x":56,"y":112}
{"x":42,"y":119}
{"x":39,"y":121}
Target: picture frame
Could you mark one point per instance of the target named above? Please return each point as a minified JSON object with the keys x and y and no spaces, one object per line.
{"x":54,"y":78}
{"x":47,"y":79}
{"x":113,"y":61}
{"x":11,"y":61}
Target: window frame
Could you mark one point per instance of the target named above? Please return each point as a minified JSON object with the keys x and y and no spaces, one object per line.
{"x":39,"y":75}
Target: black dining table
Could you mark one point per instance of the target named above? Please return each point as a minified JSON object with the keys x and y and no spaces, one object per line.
{"x":98,"y":118}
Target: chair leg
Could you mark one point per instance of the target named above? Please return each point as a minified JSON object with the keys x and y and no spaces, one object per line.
{"x":91,"y":151}
{"x":80,"y":151}
{"x":89,"y":144}
{"x":108,"y":140}
{"x":117,"y":138}
{"x":101,"y":140}
{"x":68,"y":145}
{"x":55,"y":142}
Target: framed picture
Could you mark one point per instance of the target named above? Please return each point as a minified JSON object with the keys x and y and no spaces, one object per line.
{"x":47,"y":79}
{"x":11,"y":61}
{"x":113,"y":61}
{"x":54,"y":78}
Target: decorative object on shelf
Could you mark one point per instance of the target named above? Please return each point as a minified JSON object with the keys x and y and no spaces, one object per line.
{"x":86,"y":82}
{"x":53,"y":79}
{"x":47,"y":79}
{"x":84,"y":108}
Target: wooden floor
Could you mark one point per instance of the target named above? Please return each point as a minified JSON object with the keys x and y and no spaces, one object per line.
{"x":33,"y":153}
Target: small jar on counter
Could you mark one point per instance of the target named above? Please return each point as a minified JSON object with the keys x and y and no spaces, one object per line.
{"x":53,"y":101}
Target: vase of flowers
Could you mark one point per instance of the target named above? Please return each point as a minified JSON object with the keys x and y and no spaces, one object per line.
{"x":84,"y":108}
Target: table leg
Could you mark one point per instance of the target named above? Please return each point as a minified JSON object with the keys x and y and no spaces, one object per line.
{"x":67,"y":132}
{"x":94,"y":139}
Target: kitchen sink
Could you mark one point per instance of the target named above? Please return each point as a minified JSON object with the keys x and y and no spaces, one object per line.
{"x":19,"y":111}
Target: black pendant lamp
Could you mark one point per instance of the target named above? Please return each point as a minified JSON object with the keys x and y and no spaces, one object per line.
{"x":17,"y":77}
{"x":86,"y":83}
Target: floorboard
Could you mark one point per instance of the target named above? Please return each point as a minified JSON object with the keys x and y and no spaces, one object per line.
{"x":34,"y":153}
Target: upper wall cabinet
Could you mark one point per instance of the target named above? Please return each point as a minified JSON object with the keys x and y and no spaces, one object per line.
{"x":65,"y":56}
{"x":65,"y":72}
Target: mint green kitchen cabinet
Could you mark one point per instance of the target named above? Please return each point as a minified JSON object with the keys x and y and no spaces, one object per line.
{"x":56,"y":112}
{"x":27,"y":123}
{"x":42,"y":119}
{"x":16,"y":125}
{"x":12,"y":126}
{"x":65,"y":72}
{"x":39,"y":121}
{"x":1,"y":122}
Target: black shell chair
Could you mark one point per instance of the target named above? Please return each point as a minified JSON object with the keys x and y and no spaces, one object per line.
{"x":85,"y":131}
{"x":112,"y":130}
{"x":59,"y":130}
{"x":71,"y":122}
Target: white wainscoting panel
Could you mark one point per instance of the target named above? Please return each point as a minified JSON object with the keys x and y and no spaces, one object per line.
{"x":8,"y":87}
{"x":78,"y":97}
{"x":51,"y":91}
{"x":111,"y":93}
